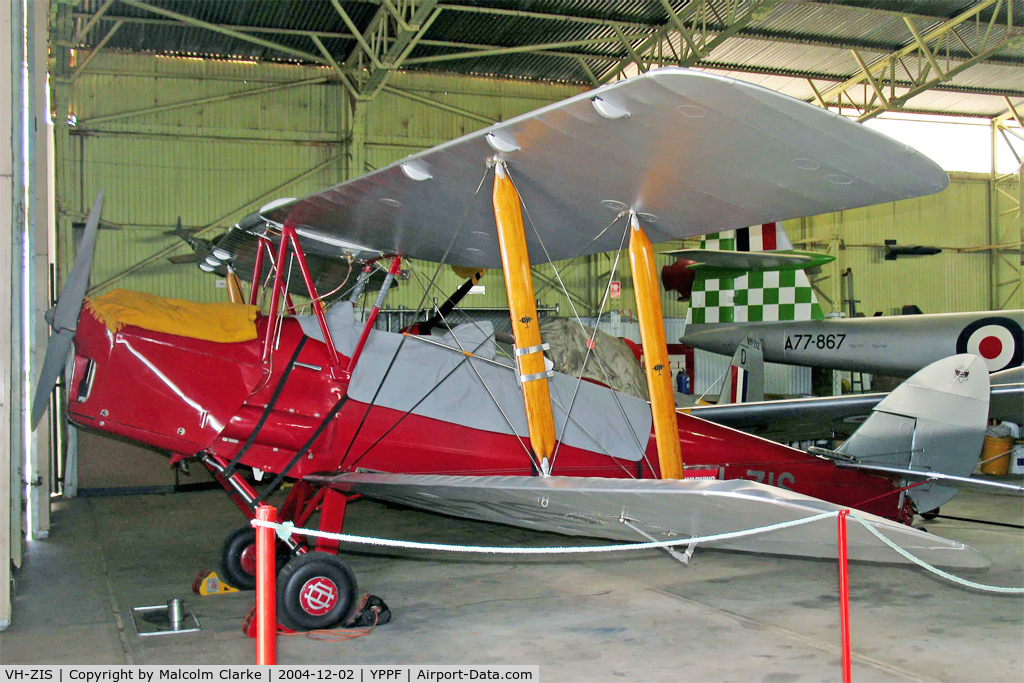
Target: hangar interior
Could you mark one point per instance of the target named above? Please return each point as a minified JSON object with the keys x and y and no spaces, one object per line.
{"x":190,"y":115}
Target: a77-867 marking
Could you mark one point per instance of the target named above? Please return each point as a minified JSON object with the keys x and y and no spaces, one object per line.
{"x":799,"y":342}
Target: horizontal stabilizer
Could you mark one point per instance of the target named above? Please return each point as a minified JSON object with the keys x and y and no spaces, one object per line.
{"x":933,"y":422}
{"x":750,"y":261}
{"x":641,"y":509}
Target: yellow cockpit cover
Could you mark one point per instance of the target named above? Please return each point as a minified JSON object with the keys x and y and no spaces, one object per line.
{"x":220,"y":322}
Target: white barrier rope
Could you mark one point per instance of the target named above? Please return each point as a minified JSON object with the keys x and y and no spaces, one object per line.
{"x":285,"y":530}
{"x":935,"y":570}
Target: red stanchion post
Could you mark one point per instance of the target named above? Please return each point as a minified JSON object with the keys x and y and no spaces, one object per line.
{"x":266,"y":579}
{"x":844,"y":595}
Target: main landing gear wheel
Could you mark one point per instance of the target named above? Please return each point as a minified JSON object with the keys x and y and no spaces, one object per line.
{"x":315,"y":591}
{"x":238,"y":558}
{"x":931,"y":514}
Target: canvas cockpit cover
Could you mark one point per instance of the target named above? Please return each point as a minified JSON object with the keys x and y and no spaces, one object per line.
{"x":216,"y":322}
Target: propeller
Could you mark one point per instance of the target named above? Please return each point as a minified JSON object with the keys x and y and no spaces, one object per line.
{"x":64,"y":317}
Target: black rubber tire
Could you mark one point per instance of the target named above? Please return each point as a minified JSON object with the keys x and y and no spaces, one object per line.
{"x":231,"y":559}
{"x":931,"y":514}
{"x":304,"y":568}
{"x":232,"y":571}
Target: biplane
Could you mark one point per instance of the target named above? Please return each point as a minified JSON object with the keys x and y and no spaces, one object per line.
{"x":448,"y":422}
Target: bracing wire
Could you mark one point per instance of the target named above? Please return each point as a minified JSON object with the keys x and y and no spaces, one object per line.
{"x":487,"y":388}
{"x":593,"y":335}
{"x":417,"y":404}
{"x":437,"y":270}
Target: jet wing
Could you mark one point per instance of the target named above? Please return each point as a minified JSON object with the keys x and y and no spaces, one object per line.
{"x":662,"y":509}
{"x":752,"y":260}
{"x":806,"y":419}
{"x":691,"y":152}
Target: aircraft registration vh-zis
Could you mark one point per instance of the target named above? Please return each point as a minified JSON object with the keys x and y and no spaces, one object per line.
{"x":445,"y":423}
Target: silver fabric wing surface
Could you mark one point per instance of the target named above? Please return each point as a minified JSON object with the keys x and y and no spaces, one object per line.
{"x":662,"y":509}
{"x":691,"y":152}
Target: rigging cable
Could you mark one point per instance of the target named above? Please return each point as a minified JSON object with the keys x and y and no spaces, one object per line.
{"x":593,"y":336}
{"x":437,"y":270}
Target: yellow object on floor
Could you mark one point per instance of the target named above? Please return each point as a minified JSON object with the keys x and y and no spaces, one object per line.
{"x":995,"y":455}
{"x":208,"y":583}
{"x":218,"y":322}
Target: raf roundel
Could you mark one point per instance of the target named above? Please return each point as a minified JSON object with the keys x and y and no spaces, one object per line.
{"x":998,"y":340}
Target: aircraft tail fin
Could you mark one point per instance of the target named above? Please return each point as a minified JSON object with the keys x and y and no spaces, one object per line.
{"x":933,"y":422}
{"x":756,"y":296}
{"x":744,"y":381}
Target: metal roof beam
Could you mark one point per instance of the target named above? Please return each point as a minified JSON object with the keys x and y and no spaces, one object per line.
{"x":880,"y":66}
{"x":403,"y":43}
{"x":198,"y":23}
{"x":360,"y":38}
{"x":493,"y":11}
{"x":539,"y":48}
{"x":95,"y":51}
{"x":700,"y":35}
{"x":82,"y":32}
{"x":629,"y":48}
{"x":334,"y":65}
{"x":270,"y":30}
{"x":587,"y":70}
{"x":382,"y":48}
{"x":747,"y":32}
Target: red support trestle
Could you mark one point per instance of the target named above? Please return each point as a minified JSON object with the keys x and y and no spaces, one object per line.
{"x":332,"y":520}
{"x":310,"y":508}
{"x":296,"y":500}
{"x":844,"y":594}
{"x":266,"y":579}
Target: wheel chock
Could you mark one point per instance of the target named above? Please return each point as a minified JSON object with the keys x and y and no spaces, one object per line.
{"x":208,"y":583}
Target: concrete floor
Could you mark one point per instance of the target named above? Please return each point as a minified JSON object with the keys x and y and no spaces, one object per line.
{"x":728,"y":616}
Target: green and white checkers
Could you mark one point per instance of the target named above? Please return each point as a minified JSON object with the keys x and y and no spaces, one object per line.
{"x":765,"y":296}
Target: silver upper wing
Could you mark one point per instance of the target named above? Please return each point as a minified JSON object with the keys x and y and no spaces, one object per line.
{"x":662,"y":509}
{"x":691,"y":152}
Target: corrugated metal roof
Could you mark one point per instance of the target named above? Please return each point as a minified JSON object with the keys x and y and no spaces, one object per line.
{"x":795,"y":39}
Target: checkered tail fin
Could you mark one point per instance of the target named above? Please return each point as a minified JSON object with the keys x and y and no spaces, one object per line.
{"x":758,"y":296}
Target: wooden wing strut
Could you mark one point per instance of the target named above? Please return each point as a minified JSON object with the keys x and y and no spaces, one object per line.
{"x":515,"y":260}
{"x":652,"y":335}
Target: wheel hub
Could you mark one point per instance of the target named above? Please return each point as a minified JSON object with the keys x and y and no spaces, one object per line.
{"x":248,"y":559}
{"x":318,"y":596}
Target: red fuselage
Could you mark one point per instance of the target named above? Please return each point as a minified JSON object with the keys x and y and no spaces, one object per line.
{"x":188,"y":396}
